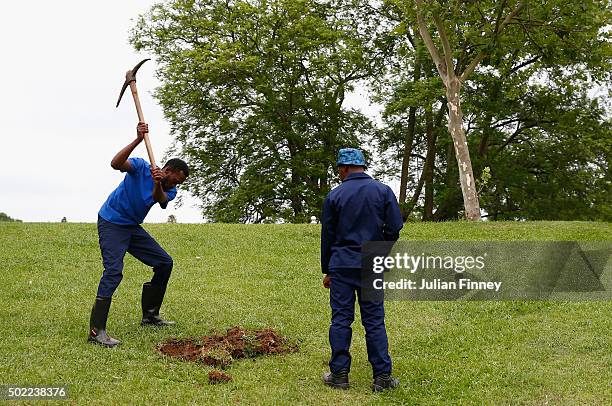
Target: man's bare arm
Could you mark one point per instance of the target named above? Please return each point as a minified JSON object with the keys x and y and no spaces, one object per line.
{"x":159,"y":195}
{"x":120,"y":161}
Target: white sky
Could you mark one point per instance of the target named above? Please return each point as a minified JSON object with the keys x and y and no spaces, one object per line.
{"x":63,"y":66}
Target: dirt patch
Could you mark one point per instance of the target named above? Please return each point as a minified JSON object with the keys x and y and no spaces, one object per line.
{"x":215,"y":376}
{"x":219,"y":350}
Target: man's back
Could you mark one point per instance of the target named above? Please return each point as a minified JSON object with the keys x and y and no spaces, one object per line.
{"x":360,"y":209}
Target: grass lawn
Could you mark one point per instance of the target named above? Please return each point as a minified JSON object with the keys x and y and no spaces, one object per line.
{"x":257,"y":276}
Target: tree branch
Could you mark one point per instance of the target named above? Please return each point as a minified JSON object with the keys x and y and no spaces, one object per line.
{"x":446,"y":47}
{"x":431,"y":47}
{"x":505,"y":123}
{"x":497,"y":31}
{"x":517,"y":132}
{"x":522,"y":65}
{"x":470,"y":68}
{"x":499,"y":15}
{"x":509,"y":18}
{"x":410,"y":38}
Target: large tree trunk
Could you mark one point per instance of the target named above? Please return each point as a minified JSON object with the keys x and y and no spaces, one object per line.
{"x":455,"y":127}
{"x":408,"y":145}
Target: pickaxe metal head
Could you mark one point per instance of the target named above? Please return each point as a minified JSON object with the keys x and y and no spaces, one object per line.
{"x":130,"y":76}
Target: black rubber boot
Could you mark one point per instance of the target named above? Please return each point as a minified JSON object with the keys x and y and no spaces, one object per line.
{"x":97,"y":323}
{"x":336,"y":380}
{"x":152,"y":298}
{"x":383,"y":382}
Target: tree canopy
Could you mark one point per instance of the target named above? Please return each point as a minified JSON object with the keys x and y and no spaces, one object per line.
{"x":255,"y":92}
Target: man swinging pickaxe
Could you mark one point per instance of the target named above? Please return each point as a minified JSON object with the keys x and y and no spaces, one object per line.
{"x":119,"y":227}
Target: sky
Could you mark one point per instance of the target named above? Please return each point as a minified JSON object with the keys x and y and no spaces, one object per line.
{"x":59,"y":127}
{"x":64,"y":64}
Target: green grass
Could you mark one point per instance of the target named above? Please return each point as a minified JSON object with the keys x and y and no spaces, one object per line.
{"x":268,"y":276}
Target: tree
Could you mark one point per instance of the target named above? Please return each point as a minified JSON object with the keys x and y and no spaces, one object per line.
{"x":549,"y":152}
{"x":506,"y":48}
{"x":254,"y":92}
{"x":5,"y":217}
{"x":453,"y":75}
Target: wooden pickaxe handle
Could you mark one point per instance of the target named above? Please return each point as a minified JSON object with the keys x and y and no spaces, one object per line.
{"x":142,"y":120}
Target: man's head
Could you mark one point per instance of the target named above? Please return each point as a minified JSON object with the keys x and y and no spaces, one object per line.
{"x":175,"y":173}
{"x":350,"y":160}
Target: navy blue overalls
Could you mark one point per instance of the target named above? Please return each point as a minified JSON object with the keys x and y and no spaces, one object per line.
{"x":360,"y":209}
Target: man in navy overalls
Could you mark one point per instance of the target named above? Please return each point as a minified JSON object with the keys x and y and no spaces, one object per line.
{"x":119,"y":232}
{"x":360,"y":209}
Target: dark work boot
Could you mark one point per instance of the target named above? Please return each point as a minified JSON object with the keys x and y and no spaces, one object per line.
{"x":152,"y":298}
{"x":97,"y":323}
{"x":384,"y":381}
{"x":336,"y":380}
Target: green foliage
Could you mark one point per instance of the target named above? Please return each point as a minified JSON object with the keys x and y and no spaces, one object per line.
{"x":254,"y":92}
{"x":533,"y":109}
{"x":553,"y":162}
{"x":5,"y":217}
{"x":485,"y":178}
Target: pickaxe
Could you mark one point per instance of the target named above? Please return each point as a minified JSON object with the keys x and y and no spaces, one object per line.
{"x":130,"y":79}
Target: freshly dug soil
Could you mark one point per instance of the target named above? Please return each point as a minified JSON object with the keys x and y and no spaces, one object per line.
{"x":215,"y":376}
{"x":219,"y":350}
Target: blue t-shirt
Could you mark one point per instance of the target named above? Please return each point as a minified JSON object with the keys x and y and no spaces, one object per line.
{"x":133,"y":198}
